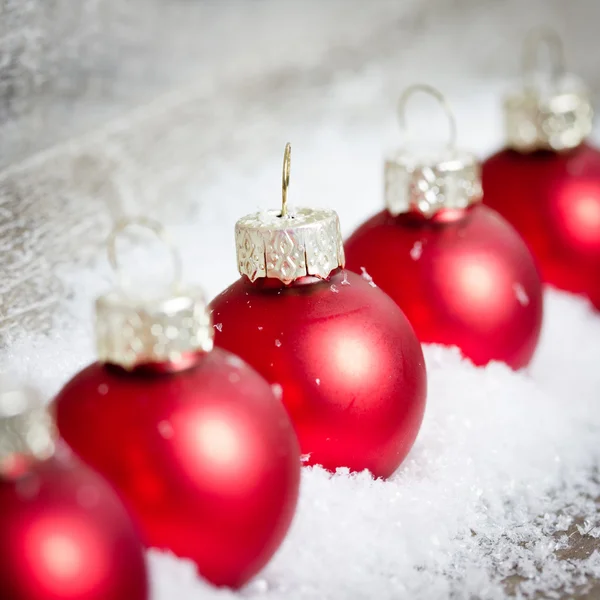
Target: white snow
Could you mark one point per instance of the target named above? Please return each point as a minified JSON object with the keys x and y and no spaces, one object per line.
{"x":503,"y":468}
{"x":503,"y":463}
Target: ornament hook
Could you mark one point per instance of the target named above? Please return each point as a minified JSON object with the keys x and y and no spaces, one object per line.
{"x":534,"y":40}
{"x":160,"y":232}
{"x":432,"y":91}
{"x":285,"y":178}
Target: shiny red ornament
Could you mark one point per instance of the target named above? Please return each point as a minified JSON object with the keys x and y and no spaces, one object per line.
{"x":64,"y":535}
{"x":546,"y":182}
{"x":458,"y":270}
{"x":193,"y":438}
{"x":463,"y":278}
{"x":206,"y":457}
{"x":553,"y":200}
{"x":347,"y":362}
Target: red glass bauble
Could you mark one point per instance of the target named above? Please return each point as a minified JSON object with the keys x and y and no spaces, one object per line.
{"x":553,"y":200}
{"x":463,"y":278}
{"x":64,"y":535}
{"x":206,"y":457}
{"x":350,"y":369}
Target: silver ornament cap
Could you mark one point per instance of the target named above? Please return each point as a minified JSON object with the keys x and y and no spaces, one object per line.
{"x":170,"y":328}
{"x":288,"y":244}
{"x":428,"y":183}
{"x":550,"y":111}
{"x":27,"y":430}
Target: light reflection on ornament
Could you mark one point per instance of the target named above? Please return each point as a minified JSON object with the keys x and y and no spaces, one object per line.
{"x":472,"y":287}
{"x":578,"y":208}
{"x":219,"y":442}
{"x":217,"y":450}
{"x":67,"y":556}
{"x":352,"y":357}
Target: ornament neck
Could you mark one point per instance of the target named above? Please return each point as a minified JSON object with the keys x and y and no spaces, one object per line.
{"x":27,"y":430}
{"x":169,"y":329}
{"x":173,"y":365}
{"x":548,"y":153}
{"x":442,"y":217}
{"x":272,"y":283}
{"x":551,"y":109}
{"x":446,"y":180}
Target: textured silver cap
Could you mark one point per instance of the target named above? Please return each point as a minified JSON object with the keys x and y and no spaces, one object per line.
{"x":27,"y":431}
{"x":288,"y":244}
{"x":304,"y":242}
{"x":131,"y":332}
{"x":427,"y":185}
{"x":556,"y":116}
{"x":552,"y":109}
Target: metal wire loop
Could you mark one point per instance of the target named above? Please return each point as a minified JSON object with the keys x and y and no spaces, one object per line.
{"x":160,"y":232}
{"x":537,"y":39}
{"x":432,"y":91}
{"x":285,"y":178}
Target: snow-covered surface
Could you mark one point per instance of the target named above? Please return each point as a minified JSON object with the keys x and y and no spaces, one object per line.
{"x":504,"y":462}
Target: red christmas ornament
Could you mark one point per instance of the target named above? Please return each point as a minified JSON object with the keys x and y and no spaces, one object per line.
{"x":192,"y":437}
{"x":64,"y":534}
{"x":346,"y":360}
{"x":547,"y":181}
{"x":461,"y":274}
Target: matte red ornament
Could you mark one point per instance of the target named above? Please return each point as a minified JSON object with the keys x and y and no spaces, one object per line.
{"x":66,"y":536}
{"x":345,"y":359}
{"x":64,"y":533}
{"x":463,"y":279}
{"x":350,"y":369}
{"x":459,"y":271}
{"x":193,"y":438}
{"x":553,"y":200}
{"x":546,"y":183}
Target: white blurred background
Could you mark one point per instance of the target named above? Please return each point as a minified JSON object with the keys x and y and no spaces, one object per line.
{"x":166,"y":107}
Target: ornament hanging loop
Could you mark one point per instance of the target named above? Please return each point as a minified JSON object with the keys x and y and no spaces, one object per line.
{"x":155,"y":227}
{"x":285,"y":178}
{"x":432,"y":91}
{"x":537,"y":39}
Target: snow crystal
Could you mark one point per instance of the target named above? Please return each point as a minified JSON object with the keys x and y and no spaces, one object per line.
{"x":166,"y":429}
{"x":234,"y":361}
{"x":367,"y":277}
{"x":521,"y":294}
{"x":417,"y":250}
